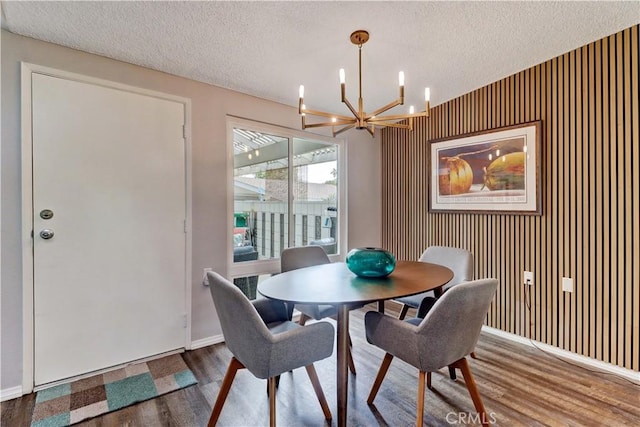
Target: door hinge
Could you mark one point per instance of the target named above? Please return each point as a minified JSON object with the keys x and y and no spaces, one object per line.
{"x":185,"y":226}
{"x":184,"y":320}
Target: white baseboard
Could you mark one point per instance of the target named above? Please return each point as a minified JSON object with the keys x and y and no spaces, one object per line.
{"x":216,"y":339}
{"x":629,"y":374}
{"x":10,"y":393}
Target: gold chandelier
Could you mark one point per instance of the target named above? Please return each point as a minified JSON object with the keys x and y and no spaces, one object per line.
{"x":361,"y":119}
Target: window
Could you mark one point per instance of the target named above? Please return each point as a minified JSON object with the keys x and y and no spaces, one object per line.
{"x":286,"y":192}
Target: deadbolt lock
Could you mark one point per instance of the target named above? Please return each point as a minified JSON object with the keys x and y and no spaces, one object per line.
{"x":46,"y":214}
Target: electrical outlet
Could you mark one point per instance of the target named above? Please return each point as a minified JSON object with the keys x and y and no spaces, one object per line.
{"x":205,"y":281}
{"x":528,"y":278}
{"x":567,"y":284}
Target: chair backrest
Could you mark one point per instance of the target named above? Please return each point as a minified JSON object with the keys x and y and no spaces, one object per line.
{"x":303,"y":256}
{"x":460,"y":261}
{"x":245,"y":333}
{"x":452,"y":327}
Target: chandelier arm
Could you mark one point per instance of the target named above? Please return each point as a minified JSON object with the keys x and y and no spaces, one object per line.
{"x":385,"y":108}
{"x":348,"y":104}
{"x":394,"y":125}
{"x":371,"y":131}
{"x":396,"y":117}
{"x":327,"y":115}
{"x":337,"y":123}
{"x":351,"y":126}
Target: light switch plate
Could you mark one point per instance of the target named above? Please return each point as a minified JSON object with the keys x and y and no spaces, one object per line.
{"x":205,"y":281}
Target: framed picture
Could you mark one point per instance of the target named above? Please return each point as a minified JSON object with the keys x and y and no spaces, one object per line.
{"x":496,"y":171}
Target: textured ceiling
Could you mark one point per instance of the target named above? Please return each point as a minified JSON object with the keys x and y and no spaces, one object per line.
{"x":268,"y":49}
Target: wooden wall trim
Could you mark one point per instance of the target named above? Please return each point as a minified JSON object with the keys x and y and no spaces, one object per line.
{"x":588,"y":102}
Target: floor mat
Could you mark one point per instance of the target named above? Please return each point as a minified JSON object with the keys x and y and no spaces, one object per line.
{"x":71,"y":403}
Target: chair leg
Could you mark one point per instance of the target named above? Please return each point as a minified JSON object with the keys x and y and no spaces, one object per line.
{"x":378,"y":381}
{"x":272,"y":401}
{"x":429,"y":380}
{"x":277,"y":383}
{"x":452,"y":372}
{"x":473,"y":389}
{"x":352,"y":366}
{"x":403,"y":311}
{"x":473,"y":355}
{"x":420,"y":401}
{"x":303,"y":319}
{"x":234,"y":365}
{"x":313,"y":376}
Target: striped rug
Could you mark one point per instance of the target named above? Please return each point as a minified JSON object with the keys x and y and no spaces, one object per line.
{"x":71,"y":403}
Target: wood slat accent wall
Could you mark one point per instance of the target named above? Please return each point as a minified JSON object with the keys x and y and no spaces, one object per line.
{"x":588,"y":101}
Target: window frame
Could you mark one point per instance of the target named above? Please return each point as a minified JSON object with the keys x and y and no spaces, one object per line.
{"x":270,"y":266}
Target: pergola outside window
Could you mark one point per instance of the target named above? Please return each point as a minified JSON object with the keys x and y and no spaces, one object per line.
{"x":286,"y":192}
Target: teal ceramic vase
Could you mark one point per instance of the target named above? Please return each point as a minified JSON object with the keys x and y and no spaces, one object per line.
{"x":371,"y":262}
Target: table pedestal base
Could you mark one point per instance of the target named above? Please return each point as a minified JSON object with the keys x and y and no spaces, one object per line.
{"x":342,"y":362}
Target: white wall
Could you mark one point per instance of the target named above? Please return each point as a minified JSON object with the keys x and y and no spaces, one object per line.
{"x":210,"y":106}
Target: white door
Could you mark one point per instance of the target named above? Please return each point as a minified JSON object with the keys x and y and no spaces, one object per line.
{"x":109,"y":276}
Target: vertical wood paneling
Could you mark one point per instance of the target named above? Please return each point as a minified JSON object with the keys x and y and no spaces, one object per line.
{"x":599,"y":201}
{"x":617,"y":187}
{"x":571,"y":182}
{"x":606,"y":190}
{"x":554,"y":223}
{"x":632,"y":248}
{"x":592,"y":203}
{"x":545,"y":259}
{"x":588,"y":102}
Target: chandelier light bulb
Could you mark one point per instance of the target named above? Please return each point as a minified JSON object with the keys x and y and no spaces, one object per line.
{"x":301,"y":91}
{"x":411,"y":110}
{"x":333,"y":120}
{"x":401,"y":78}
{"x":427,"y":94}
{"x":342,"y":76}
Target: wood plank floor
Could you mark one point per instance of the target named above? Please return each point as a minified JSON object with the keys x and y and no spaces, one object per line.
{"x":520,"y":386}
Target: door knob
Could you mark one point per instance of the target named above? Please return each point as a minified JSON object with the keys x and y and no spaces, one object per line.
{"x":46,"y":234}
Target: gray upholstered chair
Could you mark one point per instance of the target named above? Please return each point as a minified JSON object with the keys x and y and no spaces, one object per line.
{"x":262,"y":340}
{"x":444,"y":337}
{"x":460,"y":261}
{"x":307,"y":256}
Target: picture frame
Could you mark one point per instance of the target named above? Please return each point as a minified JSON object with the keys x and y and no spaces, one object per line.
{"x":495,"y":171}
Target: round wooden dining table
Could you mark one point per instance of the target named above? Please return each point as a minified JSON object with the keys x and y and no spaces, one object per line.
{"x":335,"y":284}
